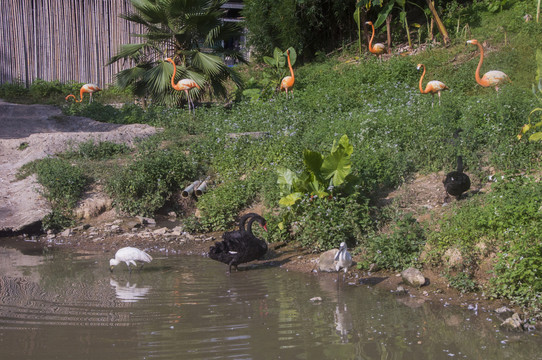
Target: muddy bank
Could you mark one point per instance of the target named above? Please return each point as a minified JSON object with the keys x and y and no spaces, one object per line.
{"x":108,"y":233}
{"x":30,"y":132}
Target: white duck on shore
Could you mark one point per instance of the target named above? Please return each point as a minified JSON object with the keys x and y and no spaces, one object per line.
{"x":343,"y":258}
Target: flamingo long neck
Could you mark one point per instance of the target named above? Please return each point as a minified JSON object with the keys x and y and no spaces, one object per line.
{"x":290,"y":66}
{"x":372,"y":37}
{"x":421,"y":79}
{"x":173,"y":85}
{"x":477,"y":73}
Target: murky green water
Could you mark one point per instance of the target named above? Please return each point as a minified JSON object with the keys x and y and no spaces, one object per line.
{"x":59,"y":305}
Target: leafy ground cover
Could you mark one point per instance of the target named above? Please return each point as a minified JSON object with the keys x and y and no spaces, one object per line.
{"x":394,"y":134}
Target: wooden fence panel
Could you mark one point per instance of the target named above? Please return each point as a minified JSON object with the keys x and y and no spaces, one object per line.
{"x":65,"y":40}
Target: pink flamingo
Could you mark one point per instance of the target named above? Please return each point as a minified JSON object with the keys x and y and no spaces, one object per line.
{"x":378,"y":49}
{"x":490,"y":78}
{"x":287,"y":83}
{"x":432,"y":87}
{"x":183,"y":85}
{"x":87,"y":88}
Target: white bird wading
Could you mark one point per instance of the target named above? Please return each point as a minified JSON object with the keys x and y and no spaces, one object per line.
{"x":129,"y":255}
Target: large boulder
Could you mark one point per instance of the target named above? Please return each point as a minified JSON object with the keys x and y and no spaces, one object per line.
{"x":413,"y":277}
{"x":326,"y":262}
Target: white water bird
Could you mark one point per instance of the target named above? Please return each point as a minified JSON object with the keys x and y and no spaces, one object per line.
{"x":129,"y":255}
{"x":343,"y":258}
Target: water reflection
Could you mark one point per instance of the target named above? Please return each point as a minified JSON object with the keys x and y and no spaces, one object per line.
{"x":129,"y":292}
{"x":66,"y":305}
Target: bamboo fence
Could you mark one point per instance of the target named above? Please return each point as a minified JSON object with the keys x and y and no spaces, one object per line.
{"x":65,"y":40}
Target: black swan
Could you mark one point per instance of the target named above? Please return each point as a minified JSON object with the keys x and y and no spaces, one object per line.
{"x":456,"y":182}
{"x":240,"y":246}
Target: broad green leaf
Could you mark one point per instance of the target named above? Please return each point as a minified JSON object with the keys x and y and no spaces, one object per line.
{"x":383,"y":14}
{"x":536,"y":136}
{"x":293,"y":55}
{"x":337,"y":166}
{"x":532,"y":112}
{"x":313,"y":161}
{"x":315,"y":185}
{"x":269,"y":61}
{"x":345,"y":143}
{"x":280,"y":59}
{"x":290,"y":199}
{"x":286,"y":178}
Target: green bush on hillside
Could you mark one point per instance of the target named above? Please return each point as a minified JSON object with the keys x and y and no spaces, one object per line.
{"x":143,"y":186}
{"x":398,"y":249}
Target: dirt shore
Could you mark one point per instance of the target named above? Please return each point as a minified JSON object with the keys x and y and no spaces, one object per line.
{"x":30,"y":132}
{"x":108,"y":232}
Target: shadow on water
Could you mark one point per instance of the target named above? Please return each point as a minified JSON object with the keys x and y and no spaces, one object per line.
{"x":64,"y":305}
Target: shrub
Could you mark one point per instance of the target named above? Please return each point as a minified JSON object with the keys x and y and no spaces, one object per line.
{"x":143,"y":186}
{"x":13,"y":91}
{"x":97,"y":151}
{"x":398,"y":249}
{"x":41,"y":89}
{"x":323,"y":223}
{"x":461,"y":281}
{"x":57,"y":220}
{"x":220,"y":206}
{"x":62,"y":183}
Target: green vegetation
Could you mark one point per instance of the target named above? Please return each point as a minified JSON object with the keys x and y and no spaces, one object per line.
{"x":142,"y":187}
{"x":62,"y":184}
{"x":384,"y":132}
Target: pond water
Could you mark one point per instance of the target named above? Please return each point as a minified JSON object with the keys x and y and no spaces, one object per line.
{"x":65,"y":305}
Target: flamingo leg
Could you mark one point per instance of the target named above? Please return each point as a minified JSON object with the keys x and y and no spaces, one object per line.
{"x":432,"y":99}
{"x":439,"y":98}
{"x":188,"y":99}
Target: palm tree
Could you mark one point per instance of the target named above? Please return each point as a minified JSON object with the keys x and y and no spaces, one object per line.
{"x":189,"y":31}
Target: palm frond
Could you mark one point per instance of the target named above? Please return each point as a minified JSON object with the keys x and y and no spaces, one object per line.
{"x":127,"y":51}
{"x":157,"y":78}
{"x":209,"y":64}
{"x":128,"y":77}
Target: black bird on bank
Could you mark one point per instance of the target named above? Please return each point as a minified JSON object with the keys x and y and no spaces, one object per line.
{"x":240,"y":246}
{"x":456,"y":182}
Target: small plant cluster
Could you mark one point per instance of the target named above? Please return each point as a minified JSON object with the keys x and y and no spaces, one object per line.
{"x":398,"y":248}
{"x":219,"y":208}
{"x":323,"y":223}
{"x":320,"y":206}
{"x":97,"y":151}
{"x":144,"y":186}
{"x":63,"y":184}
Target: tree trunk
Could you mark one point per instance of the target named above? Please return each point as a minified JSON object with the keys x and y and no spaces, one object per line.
{"x":388,"y":31}
{"x":431,"y":29}
{"x":363,"y":20}
{"x":440,"y":25}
